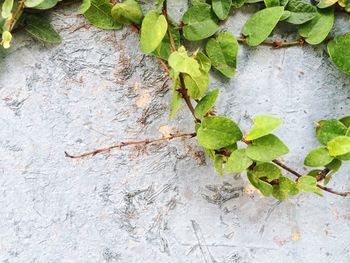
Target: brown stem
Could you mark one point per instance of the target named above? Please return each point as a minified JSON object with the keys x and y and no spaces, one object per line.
{"x":16,"y":15}
{"x":285,"y":167}
{"x":275,"y":43}
{"x":128,"y":143}
{"x":322,"y":175}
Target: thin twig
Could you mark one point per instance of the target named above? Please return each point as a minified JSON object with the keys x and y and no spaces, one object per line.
{"x":275,"y":43}
{"x":128,"y":143}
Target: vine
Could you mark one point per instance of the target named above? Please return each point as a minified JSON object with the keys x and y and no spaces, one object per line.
{"x":220,"y":136}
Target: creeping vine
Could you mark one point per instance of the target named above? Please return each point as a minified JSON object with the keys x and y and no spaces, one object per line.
{"x":220,"y":136}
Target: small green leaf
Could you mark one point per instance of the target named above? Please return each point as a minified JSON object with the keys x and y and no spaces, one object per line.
{"x":6,"y":39}
{"x":153,"y":29}
{"x":6,"y":9}
{"x":339,"y":145}
{"x":266,"y":148}
{"x":218,"y":162}
{"x":206,"y":103}
{"x":199,"y":22}
{"x":99,"y":14}
{"x":329,"y":129}
{"x":222,"y":52}
{"x":317,"y":29}
{"x":221,"y":8}
{"x":263,"y":125}
{"x":326,"y":3}
{"x":217,"y":132}
{"x":267,"y":170}
{"x":260,"y":25}
{"x":238,"y":162}
{"x":181,"y":62}
{"x":339,"y":51}
{"x":127,"y":12}
{"x":318,"y":157}
{"x":308,"y":184}
{"x":175,"y":102}
{"x":301,"y":12}
{"x":32,"y":3}
{"x":41,"y":29}
{"x":265,"y":188}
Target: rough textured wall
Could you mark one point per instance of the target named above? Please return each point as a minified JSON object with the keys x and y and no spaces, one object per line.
{"x":163,"y":202}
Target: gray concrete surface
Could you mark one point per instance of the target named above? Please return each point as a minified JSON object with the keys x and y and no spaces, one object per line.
{"x":163,"y":202}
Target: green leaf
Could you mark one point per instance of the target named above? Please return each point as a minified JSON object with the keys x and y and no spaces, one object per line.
{"x":308,"y":184}
{"x":85,"y":5}
{"x":318,"y":157}
{"x":176,"y":98}
{"x":265,"y":188}
{"x":181,"y":62}
{"x":222,"y":52}
{"x":6,"y":39}
{"x":266,"y":148}
{"x":99,"y":14}
{"x":301,"y":12}
{"x":221,"y":8}
{"x":6,"y":9}
{"x":46,"y":4}
{"x":218,"y":162}
{"x":326,"y":3}
{"x":271,"y":3}
{"x":127,"y":12}
{"x":206,"y":103}
{"x":32,"y":3}
{"x":203,"y":61}
{"x":339,"y":52}
{"x":238,"y":162}
{"x":346,"y":121}
{"x":333,"y":167}
{"x":317,"y":29}
{"x":267,"y":170}
{"x":199,"y":22}
{"x":153,"y":29}
{"x":238,"y":3}
{"x":164,"y":50}
{"x":260,"y":25}
{"x":339,"y":145}
{"x":329,"y":129}
{"x":263,"y":125}
{"x":41,"y":29}
{"x":197,"y":85}
{"x":285,"y":187}
{"x":217,"y":132}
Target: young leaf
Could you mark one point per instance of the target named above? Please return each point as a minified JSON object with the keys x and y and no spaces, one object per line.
{"x":127,"y":12}
{"x":301,"y":12}
{"x":266,"y":148}
{"x":6,"y":39}
{"x":218,"y":162}
{"x":308,"y":184}
{"x":32,"y":3}
{"x":267,"y":170}
{"x":46,"y":4}
{"x":221,"y":8}
{"x":238,"y":162}
{"x":6,"y":9}
{"x":181,"y":62}
{"x":339,"y":145}
{"x":263,"y":125}
{"x":153,"y":29}
{"x":199,"y":22}
{"x":326,"y":3}
{"x":317,"y":29}
{"x":260,"y":25}
{"x":329,"y":129}
{"x":217,"y":132}
{"x":206,"y":103}
{"x":339,"y":52}
{"x":41,"y":29}
{"x":318,"y":157}
{"x":222,"y":52}
{"x":99,"y":14}
{"x":265,"y":188}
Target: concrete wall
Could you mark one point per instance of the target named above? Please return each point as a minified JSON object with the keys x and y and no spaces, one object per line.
{"x":163,"y":202}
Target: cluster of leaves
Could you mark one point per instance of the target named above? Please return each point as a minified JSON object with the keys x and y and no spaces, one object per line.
{"x":223,"y":141}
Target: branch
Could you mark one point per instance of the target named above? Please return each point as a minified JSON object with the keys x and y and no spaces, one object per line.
{"x":128,"y":143}
{"x":275,"y":43}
